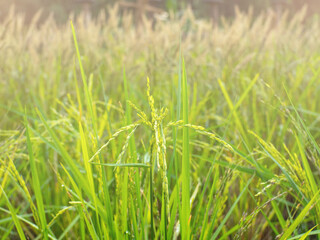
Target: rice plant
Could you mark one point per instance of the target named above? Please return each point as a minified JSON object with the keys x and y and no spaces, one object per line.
{"x":173,"y":129}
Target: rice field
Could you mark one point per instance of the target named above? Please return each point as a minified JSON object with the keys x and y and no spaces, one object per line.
{"x":175,"y":128}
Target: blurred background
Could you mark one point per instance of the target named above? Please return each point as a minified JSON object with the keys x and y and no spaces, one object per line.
{"x":60,"y":9}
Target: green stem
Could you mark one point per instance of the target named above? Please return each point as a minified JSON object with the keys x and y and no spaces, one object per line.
{"x":151,"y":195}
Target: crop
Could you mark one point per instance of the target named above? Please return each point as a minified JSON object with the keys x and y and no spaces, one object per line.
{"x":173,"y":129}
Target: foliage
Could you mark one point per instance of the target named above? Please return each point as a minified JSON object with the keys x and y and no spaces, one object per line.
{"x":220,"y":143}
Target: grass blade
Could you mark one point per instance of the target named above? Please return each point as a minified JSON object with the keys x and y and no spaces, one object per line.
{"x":301,"y":216}
{"x":134,"y":165}
{"x":14,"y":216}
{"x":36,"y":183}
{"x":185,"y":210}
{"x":216,"y":233}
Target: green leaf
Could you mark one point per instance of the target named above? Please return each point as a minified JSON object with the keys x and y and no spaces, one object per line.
{"x":300,"y":217}
{"x":14,"y":216}
{"x":185,"y":214}
{"x":226,"y":217}
{"x":136,"y":165}
{"x":36,"y":183}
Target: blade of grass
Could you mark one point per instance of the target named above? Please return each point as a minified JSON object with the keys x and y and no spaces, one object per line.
{"x":89,"y":172}
{"x":313,"y":141}
{"x":132,"y":148}
{"x":234,"y":112}
{"x":83,"y":214}
{"x":185,"y":210}
{"x":226,"y":217}
{"x":36,"y":183}
{"x":14,"y":216}
{"x":78,"y":177}
{"x":124,"y":185}
{"x":134,"y":165}
{"x":300,"y":217}
{"x":90,"y":105}
{"x":23,"y":219}
{"x":305,"y":235}
{"x":69,"y":227}
{"x":307,"y":169}
{"x":174,"y":160}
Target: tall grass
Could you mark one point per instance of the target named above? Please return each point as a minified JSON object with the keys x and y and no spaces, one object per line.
{"x":117,"y":131}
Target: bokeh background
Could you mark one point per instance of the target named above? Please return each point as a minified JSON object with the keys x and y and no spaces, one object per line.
{"x":201,"y":8}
